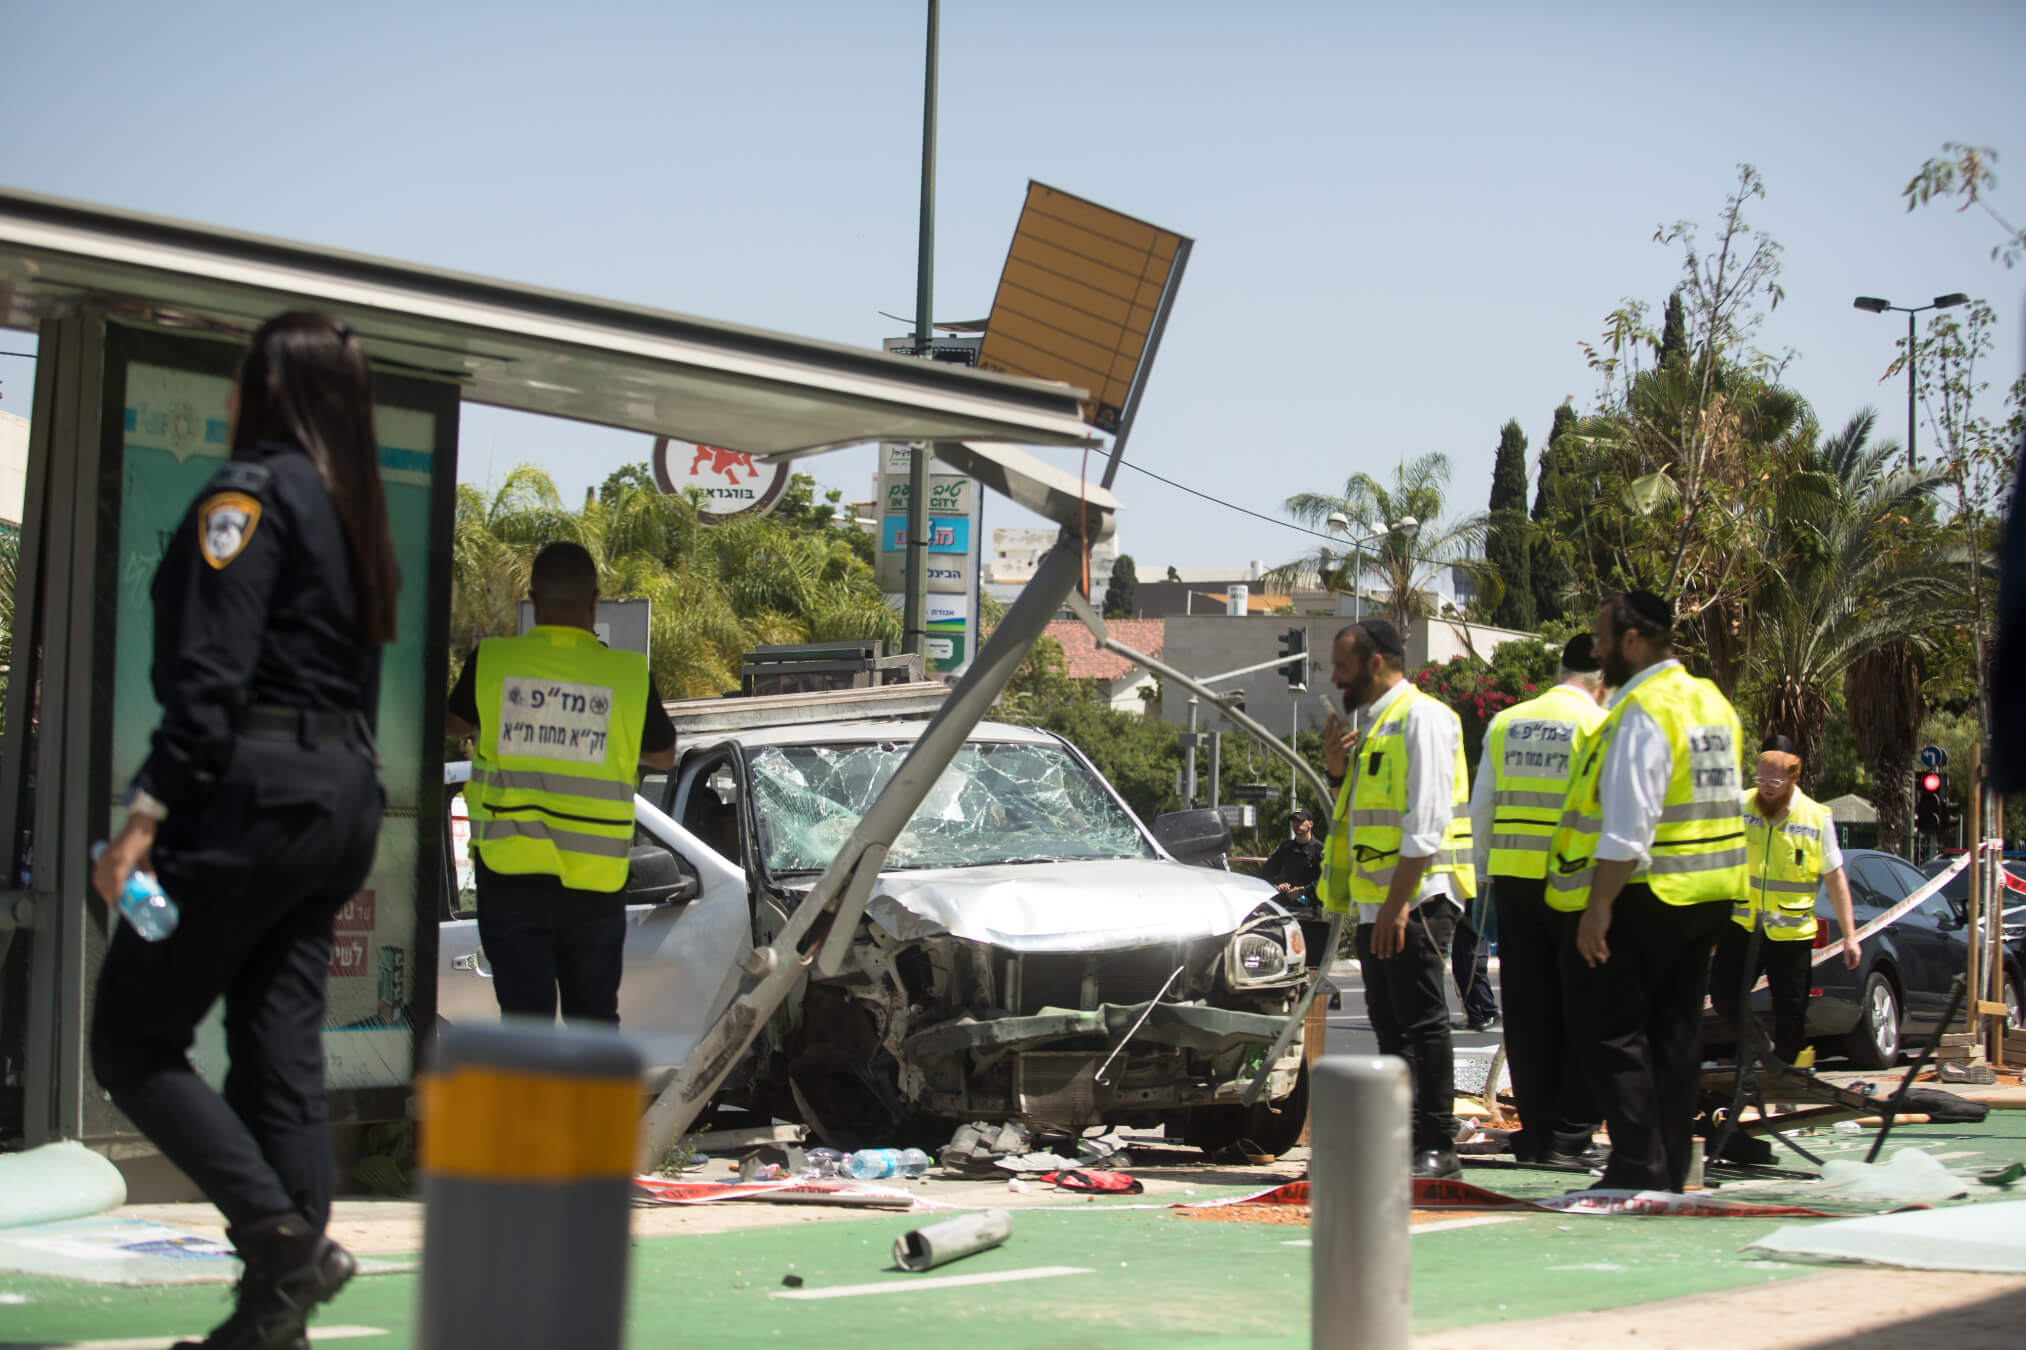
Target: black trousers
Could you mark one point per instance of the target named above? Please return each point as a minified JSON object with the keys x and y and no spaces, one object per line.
{"x":1786,"y":966}
{"x":1650,"y":1043}
{"x":545,"y":941}
{"x":258,"y":869}
{"x":1408,"y":1001}
{"x":1470,"y":967}
{"x":1551,"y":997}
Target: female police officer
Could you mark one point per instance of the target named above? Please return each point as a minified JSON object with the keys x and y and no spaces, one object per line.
{"x":258,"y":807}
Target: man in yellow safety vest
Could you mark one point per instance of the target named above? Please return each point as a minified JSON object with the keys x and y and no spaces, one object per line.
{"x":1530,"y":754}
{"x":1651,"y":852}
{"x":1791,"y":850}
{"x":1399,"y":851}
{"x":563,"y":725}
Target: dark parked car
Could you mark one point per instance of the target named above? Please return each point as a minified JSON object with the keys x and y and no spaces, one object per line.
{"x":2013,"y":903}
{"x":1896,"y":996}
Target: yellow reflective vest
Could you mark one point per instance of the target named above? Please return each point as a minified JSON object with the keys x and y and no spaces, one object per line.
{"x":1783,"y":867}
{"x":560,"y":722}
{"x":1698,"y":849}
{"x":1531,"y":751}
{"x":1365,"y":833}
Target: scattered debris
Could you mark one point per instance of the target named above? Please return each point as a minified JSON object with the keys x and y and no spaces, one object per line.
{"x":1910,"y":1178}
{"x":1987,"y":1237}
{"x":792,"y":1281}
{"x":1082,"y":1179}
{"x":952,"y":1239}
{"x":2004,"y":1176}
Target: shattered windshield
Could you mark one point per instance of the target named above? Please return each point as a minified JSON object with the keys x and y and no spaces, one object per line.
{"x":996,"y":803}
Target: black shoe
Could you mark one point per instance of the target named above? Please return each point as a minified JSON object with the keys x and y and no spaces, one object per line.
{"x":290,"y":1269}
{"x":1587,"y":1158}
{"x":1491,"y":1023}
{"x":1436,"y":1164}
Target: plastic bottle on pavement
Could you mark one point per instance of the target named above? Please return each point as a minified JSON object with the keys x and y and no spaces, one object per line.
{"x":144,"y":904}
{"x":823,"y":1162}
{"x":870,"y":1164}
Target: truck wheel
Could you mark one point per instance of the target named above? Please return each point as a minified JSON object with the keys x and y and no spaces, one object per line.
{"x":1874,"y":1042}
{"x":1275,"y":1127}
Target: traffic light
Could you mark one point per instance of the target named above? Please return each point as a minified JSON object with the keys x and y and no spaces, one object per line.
{"x":1294,"y":643}
{"x":1929,"y":806}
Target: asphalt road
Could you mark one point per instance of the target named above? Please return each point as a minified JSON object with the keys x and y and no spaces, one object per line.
{"x":1350,"y":1031}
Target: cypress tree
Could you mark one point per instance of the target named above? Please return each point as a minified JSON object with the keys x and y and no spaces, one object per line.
{"x":1118,"y":593}
{"x":1673,"y":333}
{"x":1550,"y":572}
{"x":1506,"y":546}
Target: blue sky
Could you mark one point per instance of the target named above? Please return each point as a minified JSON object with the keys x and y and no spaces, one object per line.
{"x":1406,"y":215}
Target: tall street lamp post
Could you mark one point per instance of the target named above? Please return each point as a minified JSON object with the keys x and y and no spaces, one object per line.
{"x":1341,"y":523}
{"x":1878,"y":306}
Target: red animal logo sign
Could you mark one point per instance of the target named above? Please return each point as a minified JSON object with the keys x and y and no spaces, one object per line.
{"x":723,"y":483}
{"x":724,"y":463}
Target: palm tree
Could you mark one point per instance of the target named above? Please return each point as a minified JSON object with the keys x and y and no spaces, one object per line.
{"x":1851,"y":596}
{"x":716,"y":591}
{"x":1406,"y":562}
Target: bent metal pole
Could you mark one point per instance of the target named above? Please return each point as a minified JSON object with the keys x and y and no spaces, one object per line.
{"x":1361,"y":1198}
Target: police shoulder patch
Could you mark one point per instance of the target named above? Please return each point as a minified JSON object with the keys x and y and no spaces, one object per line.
{"x":225,"y":521}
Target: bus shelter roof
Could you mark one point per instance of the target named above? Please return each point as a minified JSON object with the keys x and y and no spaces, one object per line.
{"x":515,"y":346}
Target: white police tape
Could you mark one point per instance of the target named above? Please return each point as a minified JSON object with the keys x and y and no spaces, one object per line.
{"x":1891,"y":915}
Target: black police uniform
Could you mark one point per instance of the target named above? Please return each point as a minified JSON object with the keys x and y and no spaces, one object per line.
{"x":264,"y":760}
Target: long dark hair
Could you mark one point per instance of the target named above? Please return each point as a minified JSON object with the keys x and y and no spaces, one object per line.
{"x":306,"y":383}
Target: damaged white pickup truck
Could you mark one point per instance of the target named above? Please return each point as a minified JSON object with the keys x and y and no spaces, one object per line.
{"x":1031,"y":951}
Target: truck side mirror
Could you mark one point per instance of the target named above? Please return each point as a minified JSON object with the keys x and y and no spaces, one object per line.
{"x":1193,"y":836}
{"x":654,"y":876}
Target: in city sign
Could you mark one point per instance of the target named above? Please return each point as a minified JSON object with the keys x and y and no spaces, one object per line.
{"x":949,"y":494}
{"x":732,"y":482}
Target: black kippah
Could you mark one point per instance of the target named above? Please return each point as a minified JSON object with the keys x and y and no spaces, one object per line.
{"x":1383,"y":636}
{"x":1651,"y":608}
{"x":1581,"y":654}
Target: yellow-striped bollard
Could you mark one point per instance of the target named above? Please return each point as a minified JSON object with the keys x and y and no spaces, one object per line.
{"x":527,"y":1157}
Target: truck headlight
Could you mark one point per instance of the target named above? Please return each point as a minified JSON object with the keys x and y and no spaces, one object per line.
{"x":1262,"y":956}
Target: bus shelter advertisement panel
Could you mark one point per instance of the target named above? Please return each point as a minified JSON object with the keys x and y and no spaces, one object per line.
{"x":175,"y":438}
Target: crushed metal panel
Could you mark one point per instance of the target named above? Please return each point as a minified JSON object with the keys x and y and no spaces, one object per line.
{"x":1078,"y":298}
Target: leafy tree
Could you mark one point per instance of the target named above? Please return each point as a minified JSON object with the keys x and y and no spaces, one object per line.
{"x":1666,"y":481}
{"x":1118,"y":595}
{"x":1976,"y":456}
{"x":716,"y":591}
{"x":1854,"y":573}
{"x":1965,"y":171}
{"x":1405,"y":562}
{"x":1138,"y":755}
{"x":1548,"y":566}
{"x":1506,"y":542}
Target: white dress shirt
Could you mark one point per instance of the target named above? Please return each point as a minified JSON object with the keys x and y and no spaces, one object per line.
{"x":1430,"y":734}
{"x":1633,"y":782}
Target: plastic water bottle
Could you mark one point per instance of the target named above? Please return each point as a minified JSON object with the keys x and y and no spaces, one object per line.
{"x":871,"y":1164}
{"x":144,"y":904}
{"x":823,"y":1162}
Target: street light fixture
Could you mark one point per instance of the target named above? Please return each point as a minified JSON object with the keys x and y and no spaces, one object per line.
{"x":1341,"y":523}
{"x":1874,"y":305}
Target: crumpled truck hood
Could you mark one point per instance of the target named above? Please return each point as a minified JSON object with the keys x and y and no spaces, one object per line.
{"x":1067,"y":906}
